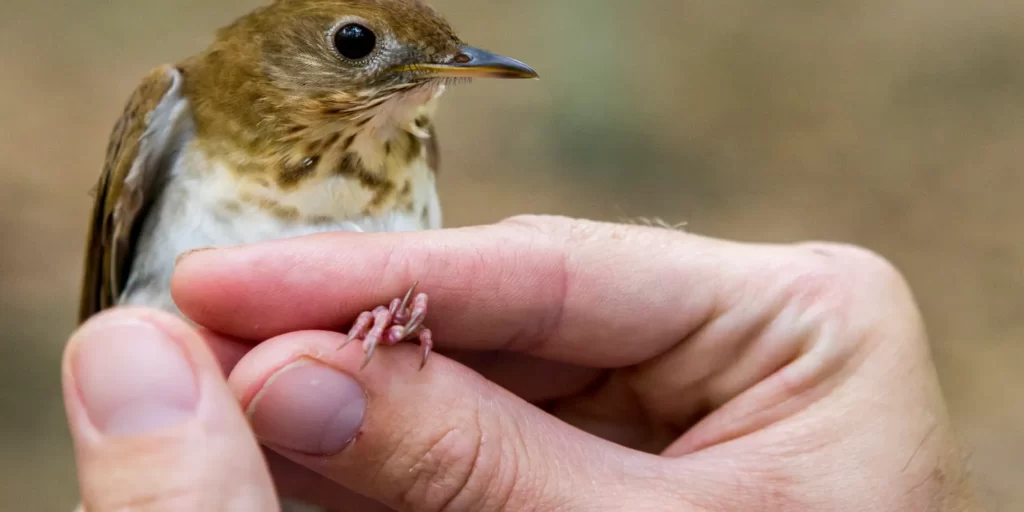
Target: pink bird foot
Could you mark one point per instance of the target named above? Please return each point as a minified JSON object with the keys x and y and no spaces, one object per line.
{"x":401,"y":321}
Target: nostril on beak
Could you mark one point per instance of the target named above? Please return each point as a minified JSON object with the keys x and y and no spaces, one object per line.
{"x":462,"y":58}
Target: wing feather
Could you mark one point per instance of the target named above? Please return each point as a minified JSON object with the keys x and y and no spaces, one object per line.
{"x":136,"y":165}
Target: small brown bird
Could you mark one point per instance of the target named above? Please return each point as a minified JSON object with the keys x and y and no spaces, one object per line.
{"x":303,"y":116}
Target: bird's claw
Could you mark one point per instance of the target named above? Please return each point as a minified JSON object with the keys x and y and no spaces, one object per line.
{"x":400,"y":321}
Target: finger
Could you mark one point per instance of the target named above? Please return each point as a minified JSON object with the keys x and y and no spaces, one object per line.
{"x":153,"y":422}
{"x":557,"y":288}
{"x":530,"y":378}
{"x":441,"y":438}
{"x":226,"y":350}
{"x":296,"y":482}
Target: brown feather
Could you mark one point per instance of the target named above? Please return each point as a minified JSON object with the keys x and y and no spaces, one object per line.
{"x":118,"y":204}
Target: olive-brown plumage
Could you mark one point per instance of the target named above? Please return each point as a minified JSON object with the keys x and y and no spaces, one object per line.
{"x":303,"y":116}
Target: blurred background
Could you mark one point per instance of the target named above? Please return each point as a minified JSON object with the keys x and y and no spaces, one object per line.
{"x":895,"y":124}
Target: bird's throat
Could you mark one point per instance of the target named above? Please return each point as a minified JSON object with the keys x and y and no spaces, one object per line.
{"x":334,"y":168}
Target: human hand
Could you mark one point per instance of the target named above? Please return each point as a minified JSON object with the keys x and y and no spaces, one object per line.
{"x":613,"y":368}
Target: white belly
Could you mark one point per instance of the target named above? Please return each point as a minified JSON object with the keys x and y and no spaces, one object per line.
{"x":191,"y":214}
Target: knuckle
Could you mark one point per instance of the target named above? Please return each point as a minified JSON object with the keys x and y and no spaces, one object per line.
{"x":542,"y":223}
{"x":814,"y":282}
{"x":542,"y":252}
{"x":850,"y":264}
{"x":836,"y":288}
{"x":563,"y":229}
{"x":446,"y":469}
{"x":472,"y":466}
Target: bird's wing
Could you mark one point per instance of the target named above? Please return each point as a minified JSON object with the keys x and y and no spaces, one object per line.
{"x":148,"y":134}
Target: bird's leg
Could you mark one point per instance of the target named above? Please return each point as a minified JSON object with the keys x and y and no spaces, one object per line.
{"x":400,"y":321}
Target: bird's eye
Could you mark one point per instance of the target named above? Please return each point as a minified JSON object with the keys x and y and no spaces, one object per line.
{"x":354,"y":41}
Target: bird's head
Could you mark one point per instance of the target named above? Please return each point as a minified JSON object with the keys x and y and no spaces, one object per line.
{"x":365,"y":46}
{"x":346,"y":59}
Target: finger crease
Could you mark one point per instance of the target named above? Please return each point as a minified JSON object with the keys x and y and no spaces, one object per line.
{"x":533,"y":340}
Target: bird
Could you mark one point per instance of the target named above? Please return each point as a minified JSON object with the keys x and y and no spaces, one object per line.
{"x":301,"y":117}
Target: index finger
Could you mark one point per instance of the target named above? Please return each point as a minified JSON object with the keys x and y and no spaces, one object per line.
{"x":590,"y":293}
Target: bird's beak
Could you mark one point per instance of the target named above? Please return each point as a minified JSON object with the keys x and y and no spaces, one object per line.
{"x":476,"y":63}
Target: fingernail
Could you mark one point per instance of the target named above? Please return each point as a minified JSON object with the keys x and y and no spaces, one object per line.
{"x":132,"y":378}
{"x":308,"y":407}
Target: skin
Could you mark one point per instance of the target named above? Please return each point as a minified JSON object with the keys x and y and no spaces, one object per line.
{"x":592,"y":367}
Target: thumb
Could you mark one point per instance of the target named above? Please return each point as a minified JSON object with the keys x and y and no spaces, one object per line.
{"x":155,"y":426}
{"x":443,"y":438}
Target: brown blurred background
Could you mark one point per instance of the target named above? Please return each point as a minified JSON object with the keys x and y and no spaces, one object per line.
{"x":895,"y":124}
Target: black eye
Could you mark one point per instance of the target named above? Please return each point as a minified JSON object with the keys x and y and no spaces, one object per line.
{"x":354,"y":41}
